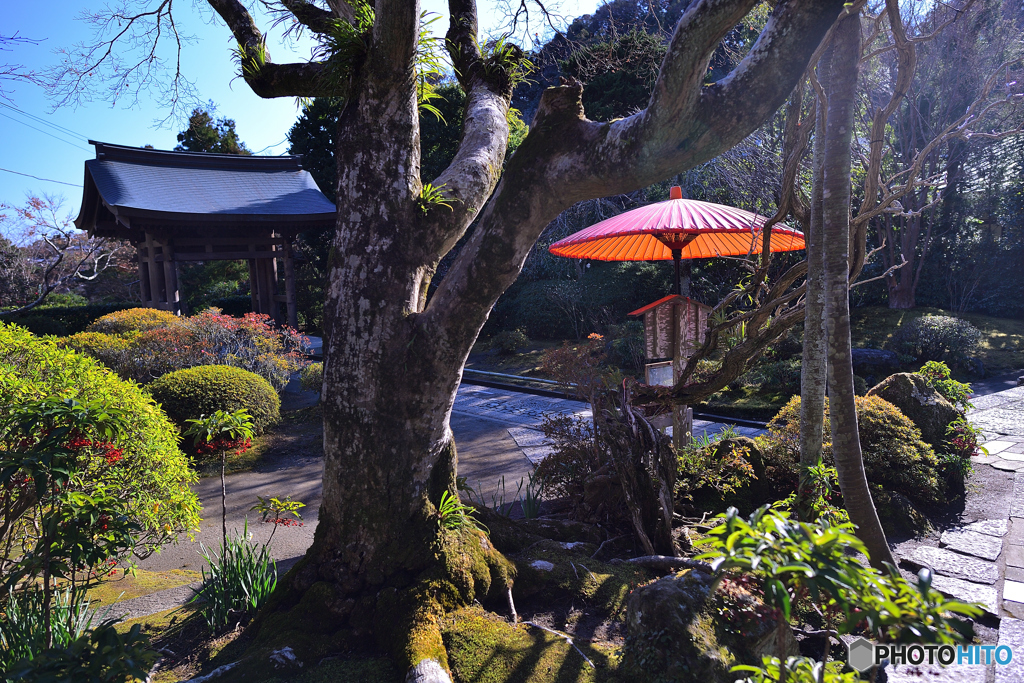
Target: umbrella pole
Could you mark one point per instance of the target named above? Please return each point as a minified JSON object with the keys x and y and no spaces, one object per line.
{"x":677,"y":255}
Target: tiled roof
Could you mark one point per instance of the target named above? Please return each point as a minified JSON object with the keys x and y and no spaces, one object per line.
{"x":136,"y":181}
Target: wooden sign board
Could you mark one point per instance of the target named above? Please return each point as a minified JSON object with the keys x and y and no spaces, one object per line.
{"x":659,"y":374}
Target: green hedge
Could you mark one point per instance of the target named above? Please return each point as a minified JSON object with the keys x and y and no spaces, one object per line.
{"x":202,"y":390}
{"x":155,"y":475}
{"x":73,"y":319}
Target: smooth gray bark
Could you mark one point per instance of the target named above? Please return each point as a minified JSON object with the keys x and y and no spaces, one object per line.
{"x":814,"y":361}
{"x":836,"y":194}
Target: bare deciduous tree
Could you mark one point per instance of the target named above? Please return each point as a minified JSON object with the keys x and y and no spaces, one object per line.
{"x":56,"y":254}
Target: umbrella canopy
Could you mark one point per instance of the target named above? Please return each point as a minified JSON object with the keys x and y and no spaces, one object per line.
{"x":677,"y":228}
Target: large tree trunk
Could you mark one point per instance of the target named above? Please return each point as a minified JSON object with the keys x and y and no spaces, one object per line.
{"x":814,"y":361}
{"x":381,"y":563}
{"x":836,"y":228}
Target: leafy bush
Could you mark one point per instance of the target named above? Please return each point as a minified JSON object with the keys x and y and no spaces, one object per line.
{"x":577,"y":365}
{"x":159,"y":343}
{"x":312,"y":377}
{"x":203,"y":390}
{"x":238,"y":304}
{"x":937,"y":375}
{"x":109,"y":349}
{"x":151,"y":477}
{"x":706,"y":472}
{"x":241,"y":579}
{"x":73,"y":318}
{"x":776,"y":376}
{"x":937,"y":337}
{"x":102,"y":655}
{"x":574,"y":456}
{"x":133,"y":320}
{"x":510,"y":341}
{"x":629,"y":347}
{"x":42,"y":325}
{"x":895,"y":457}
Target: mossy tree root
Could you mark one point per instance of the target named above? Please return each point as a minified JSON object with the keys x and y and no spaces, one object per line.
{"x":402,"y":617}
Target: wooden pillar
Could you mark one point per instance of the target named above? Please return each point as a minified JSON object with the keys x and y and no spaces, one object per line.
{"x":291,"y":302}
{"x":254,"y":280}
{"x":145,"y":294}
{"x":171,"y":278}
{"x":157,"y":276}
{"x":270,"y":276}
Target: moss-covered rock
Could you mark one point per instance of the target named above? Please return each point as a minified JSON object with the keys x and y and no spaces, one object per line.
{"x":675,"y":633}
{"x":922,"y":404}
{"x":554,"y":572}
{"x":484,"y":648}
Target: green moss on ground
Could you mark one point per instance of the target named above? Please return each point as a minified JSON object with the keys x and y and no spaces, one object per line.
{"x":1002,"y":340}
{"x":115,"y":588}
{"x":484,"y":648}
{"x":575,"y":577}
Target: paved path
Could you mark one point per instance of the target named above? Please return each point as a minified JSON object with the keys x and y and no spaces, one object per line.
{"x":980,"y":558}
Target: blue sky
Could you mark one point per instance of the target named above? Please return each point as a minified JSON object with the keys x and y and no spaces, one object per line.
{"x":52,"y":144}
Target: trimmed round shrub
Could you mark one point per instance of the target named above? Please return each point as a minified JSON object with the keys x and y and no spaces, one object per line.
{"x":42,"y":325}
{"x":895,"y":457}
{"x":106,"y":348}
{"x":193,"y":392}
{"x":312,"y":377}
{"x":937,"y":337}
{"x":132,"y":320}
{"x":153,"y":477}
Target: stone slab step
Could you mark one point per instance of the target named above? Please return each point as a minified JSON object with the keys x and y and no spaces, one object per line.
{"x":967,"y":591}
{"x":931,"y":673}
{"x":992,"y":527}
{"x":1011,"y":633}
{"x":972,"y":543}
{"x":948,"y":563}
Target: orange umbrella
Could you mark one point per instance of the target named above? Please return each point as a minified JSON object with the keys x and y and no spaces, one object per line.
{"x":675,"y":229}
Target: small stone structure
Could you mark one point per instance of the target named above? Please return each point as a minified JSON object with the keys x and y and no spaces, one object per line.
{"x":175,"y":207}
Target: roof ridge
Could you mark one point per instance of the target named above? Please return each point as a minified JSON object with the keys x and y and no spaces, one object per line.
{"x":161,"y":157}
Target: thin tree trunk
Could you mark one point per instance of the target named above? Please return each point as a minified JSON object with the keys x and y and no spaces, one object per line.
{"x":836,"y":232}
{"x":814,"y":362}
{"x":223,"y":500}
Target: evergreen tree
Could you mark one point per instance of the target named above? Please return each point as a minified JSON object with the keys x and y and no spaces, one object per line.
{"x":207,"y":134}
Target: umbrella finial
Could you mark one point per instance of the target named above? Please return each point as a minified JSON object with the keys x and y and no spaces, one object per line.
{"x":675,"y":193}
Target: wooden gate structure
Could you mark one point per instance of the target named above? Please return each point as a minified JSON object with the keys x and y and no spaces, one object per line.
{"x":175,"y":207}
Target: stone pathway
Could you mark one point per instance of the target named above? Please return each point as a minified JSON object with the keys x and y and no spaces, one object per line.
{"x":526,"y":412}
{"x":983,"y":560}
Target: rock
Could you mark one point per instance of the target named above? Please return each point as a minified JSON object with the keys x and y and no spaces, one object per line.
{"x":972,"y":543}
{"x":992,"y":527}
{"x":923,"y":405}
{"x":563,"y":530}
{"x":948,"y":563}
{"x":675,"y":633}
{"x":898,"y":515}
{"x":966,"y":591}
{"x":874,"y":362}
{"x":542,"y":565}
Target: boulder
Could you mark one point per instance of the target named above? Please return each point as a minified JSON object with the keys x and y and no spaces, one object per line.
{"x":925,"y":407}
{"x":873,"y":362}
{"x":675,"y":632}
